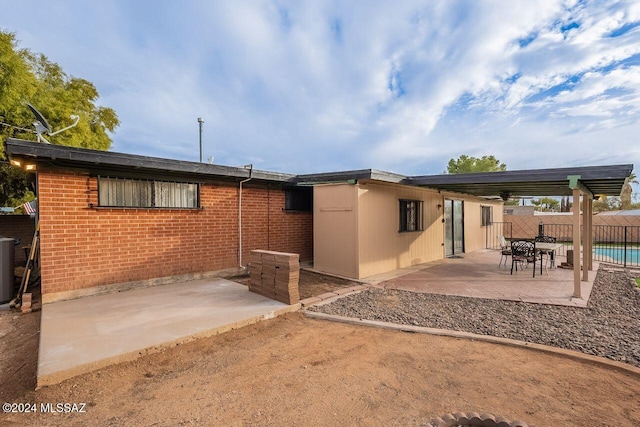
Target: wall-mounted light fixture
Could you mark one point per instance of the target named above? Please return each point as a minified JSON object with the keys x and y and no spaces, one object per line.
{"x":29,"y":167}
{"x":439,"y":206}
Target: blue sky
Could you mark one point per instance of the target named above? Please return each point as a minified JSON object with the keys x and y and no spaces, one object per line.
{"x":318,"y":86}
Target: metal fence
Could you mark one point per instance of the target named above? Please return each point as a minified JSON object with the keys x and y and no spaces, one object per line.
{"x":614,"y":244}
{"x":617,"y":244}
{"x":563,"y":234}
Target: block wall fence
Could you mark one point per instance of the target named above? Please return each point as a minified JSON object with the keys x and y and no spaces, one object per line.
{"x":526,"y":226}
{"x":85,"y":247}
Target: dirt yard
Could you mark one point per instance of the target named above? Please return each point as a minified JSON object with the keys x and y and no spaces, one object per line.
{"x":297,"y":371}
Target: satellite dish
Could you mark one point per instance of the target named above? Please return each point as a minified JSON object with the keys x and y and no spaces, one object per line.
{"x":40,"y":122}
{"x":42,"y":126}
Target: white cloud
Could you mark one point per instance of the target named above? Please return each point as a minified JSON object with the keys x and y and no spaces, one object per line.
{"x":315,"y":86}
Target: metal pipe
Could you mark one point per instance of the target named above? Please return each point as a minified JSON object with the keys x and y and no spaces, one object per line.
{"x":200,"y":122}
{"x":250,"y":167}
{"x":74,"y":117}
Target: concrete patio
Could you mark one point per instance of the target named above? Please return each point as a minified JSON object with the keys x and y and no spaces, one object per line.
{"x":477,"y":275}
{"x":81,"y":335}
{"x":88,"y":333}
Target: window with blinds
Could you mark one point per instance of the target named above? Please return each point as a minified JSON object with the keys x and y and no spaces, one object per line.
{"x":138,"y":193}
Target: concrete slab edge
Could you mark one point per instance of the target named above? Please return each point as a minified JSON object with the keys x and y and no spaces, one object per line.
{"x":571,"y":354}
{"x":138,"y":284}
{"x":58,"y":377}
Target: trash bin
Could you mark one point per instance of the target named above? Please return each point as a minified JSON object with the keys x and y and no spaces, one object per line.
{"x":7,"y":248}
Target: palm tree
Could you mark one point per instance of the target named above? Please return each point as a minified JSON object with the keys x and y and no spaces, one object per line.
{"x":627,"y":189}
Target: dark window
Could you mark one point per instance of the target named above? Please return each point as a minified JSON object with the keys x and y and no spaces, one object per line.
{"x":298,"y":199}
{"x":138,"y":193}
{"x":411,"y":215}
{"x":487,"y":215}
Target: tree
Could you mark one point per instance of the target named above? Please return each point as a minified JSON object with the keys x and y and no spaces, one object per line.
{"x":470,"y":164}
{"x":28,"y":77}
{"x":565,"y":204}
{"x":546,"y":204}
{"x":605,"y":203}
{"x":627,"y":190}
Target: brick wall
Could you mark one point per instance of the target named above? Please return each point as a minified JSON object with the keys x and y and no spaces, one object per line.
{"x":84,"y":247}
{"x":21,"y":227}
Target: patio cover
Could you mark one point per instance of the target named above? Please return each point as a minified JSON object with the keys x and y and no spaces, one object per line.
{"x":597,"y":180}
{"x":589,"y":182}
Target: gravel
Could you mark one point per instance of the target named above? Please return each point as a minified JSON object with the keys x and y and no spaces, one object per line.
{"x":609,"y":326}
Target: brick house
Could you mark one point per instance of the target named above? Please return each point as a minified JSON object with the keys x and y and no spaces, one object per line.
{"x":111,"y":221}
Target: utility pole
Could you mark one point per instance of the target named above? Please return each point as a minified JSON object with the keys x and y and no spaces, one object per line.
{"x":200,"y":122}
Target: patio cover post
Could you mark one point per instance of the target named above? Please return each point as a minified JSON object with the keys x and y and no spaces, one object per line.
{"x":577,"y":291}
{"x":588,"y":235}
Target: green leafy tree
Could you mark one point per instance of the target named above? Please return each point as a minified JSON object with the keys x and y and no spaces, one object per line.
{"x":470,"y":164}
{"x":606,"y":203}
{"x":26,"y":77}
{"x":546,"y":204}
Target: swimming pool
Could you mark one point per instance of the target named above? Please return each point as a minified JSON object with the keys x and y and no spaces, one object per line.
{"x":617,"y":255}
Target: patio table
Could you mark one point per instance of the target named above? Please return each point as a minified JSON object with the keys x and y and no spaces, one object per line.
{"x":552,"y":247}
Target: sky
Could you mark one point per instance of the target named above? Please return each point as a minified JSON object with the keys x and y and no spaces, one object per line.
{"x":320,"y":86}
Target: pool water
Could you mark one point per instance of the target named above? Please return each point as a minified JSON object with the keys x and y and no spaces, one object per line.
{"x":618,"y":254}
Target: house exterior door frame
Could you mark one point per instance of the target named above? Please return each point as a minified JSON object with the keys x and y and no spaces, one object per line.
{"x":453,"y":227}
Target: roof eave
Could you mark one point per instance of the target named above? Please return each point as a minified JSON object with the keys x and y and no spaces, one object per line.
{"x":96,"y":159}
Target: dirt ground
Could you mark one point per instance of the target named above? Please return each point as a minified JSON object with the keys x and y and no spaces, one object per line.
{"x":298,"y":371}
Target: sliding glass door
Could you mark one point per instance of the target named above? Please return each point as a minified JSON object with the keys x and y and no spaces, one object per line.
{"x":453,"y":227}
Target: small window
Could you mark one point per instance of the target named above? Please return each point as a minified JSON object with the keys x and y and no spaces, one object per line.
{"x":411,"y":215}
{"x":487,"y":215}
{"x":298,"y":199}
{"x":138,"y":193}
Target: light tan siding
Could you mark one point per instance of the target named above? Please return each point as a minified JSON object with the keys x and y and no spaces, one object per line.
{"x":335,"y":225}
{"x":382,"y":247}
{"x":356,"y":227}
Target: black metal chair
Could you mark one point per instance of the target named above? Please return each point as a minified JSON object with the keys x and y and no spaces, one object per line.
{"x":542,"y":252}
{"x":523,"y":252}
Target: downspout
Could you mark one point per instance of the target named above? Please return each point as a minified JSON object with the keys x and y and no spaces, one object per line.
{"x":250,"y":167}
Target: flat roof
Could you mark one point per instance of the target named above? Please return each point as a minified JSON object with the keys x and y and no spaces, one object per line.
{"x":599,"y":180}
{"x":110,"y":161}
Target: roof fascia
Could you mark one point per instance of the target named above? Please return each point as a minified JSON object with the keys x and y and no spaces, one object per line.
{"x":70,"y":157}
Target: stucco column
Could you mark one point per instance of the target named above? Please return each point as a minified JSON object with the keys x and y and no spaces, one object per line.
{"x":577,"y":290}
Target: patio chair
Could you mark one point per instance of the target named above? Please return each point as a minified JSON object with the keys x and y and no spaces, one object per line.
{"x":550,"y":254}
{"x":523,"y":252}
{"x":505,"y":250}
